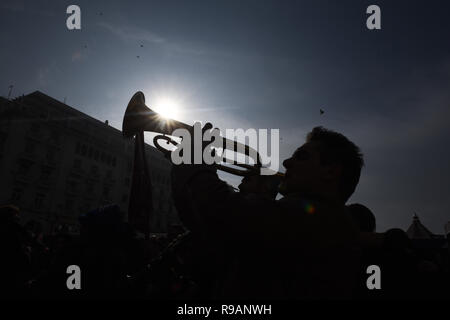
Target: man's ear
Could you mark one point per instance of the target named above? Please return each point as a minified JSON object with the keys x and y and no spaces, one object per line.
{"x":333,"y":172}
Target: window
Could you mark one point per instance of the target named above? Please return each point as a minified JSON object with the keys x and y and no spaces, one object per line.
{"x":87,"y":206}
{"x":2,"y":139}
{"x":90,"y":189}
{"x":125,"y":198}
{"x":102,"y":158}
{"x":16,"y":195}
{"x":96,"y":155}
{"x":77,"y":163}
{"x":94,"y":170}
{"x":35,"y":127}
{"x":78,"y":148}
{"x":39,"y":200}
{"x":83,"y":150}
{"x":29,"y":146}
{"x":50,"y":155}
{"x":90,"y":152}
{"x":106,"y":191}
{"x":45,"y":174}
{"x":54,"y":136}
{"x":113,"y":161}
{"x":69,"y":205}
{"x":72,"y":186}
{"x":24,"y":167}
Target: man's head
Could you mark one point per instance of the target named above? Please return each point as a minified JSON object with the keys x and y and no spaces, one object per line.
{"x":327,"y":165}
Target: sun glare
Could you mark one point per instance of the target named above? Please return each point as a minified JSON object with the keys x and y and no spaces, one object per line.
{"x":167,"y":108}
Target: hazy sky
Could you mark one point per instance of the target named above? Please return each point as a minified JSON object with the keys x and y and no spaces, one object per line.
{"x":261,"y":64}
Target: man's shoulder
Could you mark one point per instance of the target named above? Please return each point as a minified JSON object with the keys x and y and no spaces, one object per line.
{"x":313,"y":208}
{"x":299,"y":202}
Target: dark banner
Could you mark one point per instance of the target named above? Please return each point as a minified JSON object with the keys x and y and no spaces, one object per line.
{"x":141,"y":201}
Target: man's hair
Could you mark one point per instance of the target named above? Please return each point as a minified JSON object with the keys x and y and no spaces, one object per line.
{"x":335,"y":148}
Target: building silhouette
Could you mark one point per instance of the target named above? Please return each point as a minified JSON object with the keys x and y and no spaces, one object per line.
{"x":422,"y":238}
{"x":418,"y":231}
{"x":57,"y":162}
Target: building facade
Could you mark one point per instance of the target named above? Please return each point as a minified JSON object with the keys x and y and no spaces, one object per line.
{"x":57,"y":162}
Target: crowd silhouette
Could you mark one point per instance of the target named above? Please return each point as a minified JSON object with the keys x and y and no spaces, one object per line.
{"x":308,"y":245}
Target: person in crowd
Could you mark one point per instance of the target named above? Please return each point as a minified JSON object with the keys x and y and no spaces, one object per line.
{"x":362,"y":216}
{"x":15,"y":267}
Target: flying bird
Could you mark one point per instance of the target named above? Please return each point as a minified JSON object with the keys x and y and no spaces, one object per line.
{"x":322,"y":112}
{"x":137,"y":57}
{"x":142,"y":45}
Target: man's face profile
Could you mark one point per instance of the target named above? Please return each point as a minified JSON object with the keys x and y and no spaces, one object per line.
{"x":304,"y":171}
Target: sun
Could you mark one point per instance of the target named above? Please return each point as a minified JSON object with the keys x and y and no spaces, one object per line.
{"x":167,"y":108}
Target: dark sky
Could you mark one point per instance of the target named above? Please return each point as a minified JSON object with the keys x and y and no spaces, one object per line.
{"x":262,"y":64}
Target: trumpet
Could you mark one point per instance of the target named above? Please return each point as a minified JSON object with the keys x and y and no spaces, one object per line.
{"x":139,"y":118}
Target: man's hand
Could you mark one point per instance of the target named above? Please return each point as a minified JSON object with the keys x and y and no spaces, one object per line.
{"x":266,"y":186}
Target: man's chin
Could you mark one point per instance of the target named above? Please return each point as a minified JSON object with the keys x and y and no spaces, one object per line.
{"x":287,"y":188}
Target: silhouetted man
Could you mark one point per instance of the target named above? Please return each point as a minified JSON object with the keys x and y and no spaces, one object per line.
{"x":301,"y":246}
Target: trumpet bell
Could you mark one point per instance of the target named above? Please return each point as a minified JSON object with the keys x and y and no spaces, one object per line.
{"x":138,"y":117}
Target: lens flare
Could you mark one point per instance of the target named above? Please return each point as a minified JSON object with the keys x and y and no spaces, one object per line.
{"x":310,"y":209}
{"x":167,"y":108}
